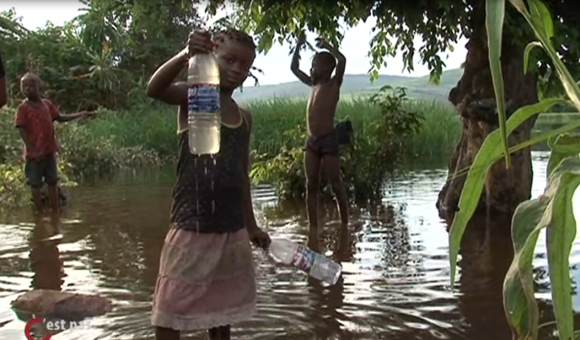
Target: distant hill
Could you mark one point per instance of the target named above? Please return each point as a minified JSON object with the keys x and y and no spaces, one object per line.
{"x":359,"y":84}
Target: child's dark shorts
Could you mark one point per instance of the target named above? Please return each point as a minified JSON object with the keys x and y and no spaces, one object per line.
{"x":323,"y":145}
{"x":329,"y":144}
{"x":41,"y":170}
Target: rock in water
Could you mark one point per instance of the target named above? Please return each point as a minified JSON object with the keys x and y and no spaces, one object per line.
{"x":59,"y":304}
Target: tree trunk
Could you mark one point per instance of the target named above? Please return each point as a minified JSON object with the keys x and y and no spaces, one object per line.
{"x":475,"y":100}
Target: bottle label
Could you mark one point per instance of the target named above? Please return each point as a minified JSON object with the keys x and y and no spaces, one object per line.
{"x":303,"y":258}
{"x":204,"y":98}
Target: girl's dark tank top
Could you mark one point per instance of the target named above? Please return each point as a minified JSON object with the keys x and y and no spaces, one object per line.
{"x":208,"y":196}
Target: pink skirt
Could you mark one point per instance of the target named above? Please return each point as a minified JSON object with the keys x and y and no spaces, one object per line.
{"x":204,"y":281}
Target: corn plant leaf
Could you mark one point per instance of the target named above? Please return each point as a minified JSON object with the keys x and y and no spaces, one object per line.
{"x":494,"y":18}
{"x":527,"y":52}
{"x":561,"y":223}
{"x":546,"y":135}
{"x":554,"y":212}
{"x":540,"y":12}
{"x":488,"y":154}
{"x":518,"y":290}
{"x":562,"y":146}
{"x":519,"y":5}
{"x":540,"y":21}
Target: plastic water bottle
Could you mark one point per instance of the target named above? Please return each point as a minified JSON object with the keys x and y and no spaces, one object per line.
{"x":316,"y":265}
{"x":203,"y":97}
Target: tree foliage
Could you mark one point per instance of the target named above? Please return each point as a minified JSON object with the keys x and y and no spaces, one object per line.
{"x":440,"y":24}
{"x":103,"y":56}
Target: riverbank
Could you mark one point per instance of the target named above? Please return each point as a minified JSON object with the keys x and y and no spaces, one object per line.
{"x":145,"y":137}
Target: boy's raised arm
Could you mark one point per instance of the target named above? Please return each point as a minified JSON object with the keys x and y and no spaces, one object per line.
{"x":162,"y":85}
{"x":295,"y":66}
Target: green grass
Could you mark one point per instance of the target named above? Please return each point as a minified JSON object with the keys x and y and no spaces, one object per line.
{"x":154,"y":127}
{"x":274,"y":117}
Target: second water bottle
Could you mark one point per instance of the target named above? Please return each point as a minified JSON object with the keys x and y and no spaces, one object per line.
{"x":305,"y":259}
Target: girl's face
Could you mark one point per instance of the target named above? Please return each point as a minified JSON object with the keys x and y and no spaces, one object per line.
{"x":235,"y":60}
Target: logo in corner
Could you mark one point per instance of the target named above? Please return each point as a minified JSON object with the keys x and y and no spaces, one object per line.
{"x":28,"y":329}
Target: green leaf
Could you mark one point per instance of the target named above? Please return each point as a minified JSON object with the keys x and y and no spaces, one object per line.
{"x":518,"y":290}
{"x":561,"y":223}
{"x":519,"y":5}
{"x":546,"y":135}
{"x":553,"y":211}
{"x":568,"y":82}
{"x":494,"y":18}
{"x":541,"y":14}
{"x":527,"y":52}
{"x":562,"y":146}
{"x":488,"y":154}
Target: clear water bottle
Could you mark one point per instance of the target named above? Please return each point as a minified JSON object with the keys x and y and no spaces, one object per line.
{"x":203,"y":99}
{"x":316,"y":265}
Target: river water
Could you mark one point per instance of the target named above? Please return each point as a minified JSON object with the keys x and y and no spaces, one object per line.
{"x":396,"y":272}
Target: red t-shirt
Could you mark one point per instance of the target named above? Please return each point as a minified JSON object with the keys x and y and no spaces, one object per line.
{"x":38,"y":122}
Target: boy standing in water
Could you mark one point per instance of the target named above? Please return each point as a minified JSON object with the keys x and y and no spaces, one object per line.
{"x":322,"y":143}
{"x":34,"y":120}
{"x":206,"y":275}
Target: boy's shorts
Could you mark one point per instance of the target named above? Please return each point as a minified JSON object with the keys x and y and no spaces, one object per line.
{"x":41,"y":170}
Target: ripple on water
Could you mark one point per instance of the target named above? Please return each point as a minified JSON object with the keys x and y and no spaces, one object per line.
{"x":395,"y":266}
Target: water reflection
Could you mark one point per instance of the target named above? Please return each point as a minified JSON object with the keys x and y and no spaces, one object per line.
{"x":45,"y":261}
{"x":326,"y":302}
{"x":486,"y":254}
{"x":395,"y":282}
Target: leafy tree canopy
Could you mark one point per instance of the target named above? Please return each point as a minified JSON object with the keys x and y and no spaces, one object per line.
{"x":439,"y":23}
{"x":103,"y":56}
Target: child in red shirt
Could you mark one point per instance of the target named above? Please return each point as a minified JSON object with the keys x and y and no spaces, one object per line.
{"x":34,"y":120}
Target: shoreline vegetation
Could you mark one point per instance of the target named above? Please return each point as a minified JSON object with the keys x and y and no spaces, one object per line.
{"x":145,"y":137}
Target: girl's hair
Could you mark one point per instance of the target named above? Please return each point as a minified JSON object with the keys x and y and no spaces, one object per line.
{"x":232,"y":34}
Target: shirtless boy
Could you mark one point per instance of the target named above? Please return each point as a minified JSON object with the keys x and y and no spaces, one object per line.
{"x":322,"y":143}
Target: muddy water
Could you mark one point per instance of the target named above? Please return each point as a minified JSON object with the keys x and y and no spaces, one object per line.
{"x":395,"y":282}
